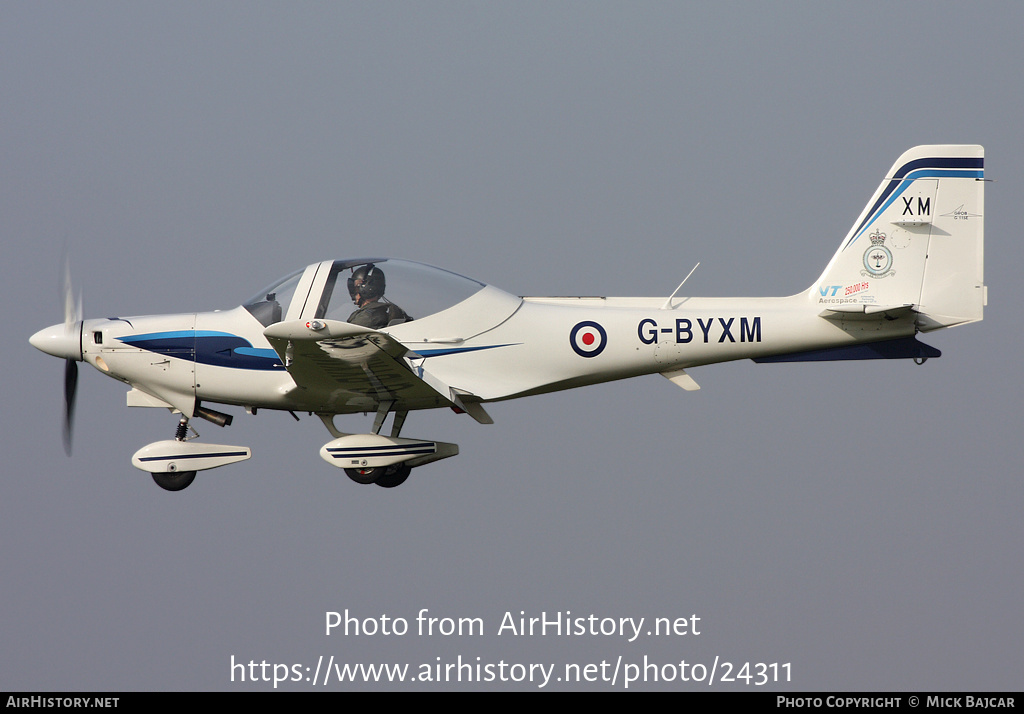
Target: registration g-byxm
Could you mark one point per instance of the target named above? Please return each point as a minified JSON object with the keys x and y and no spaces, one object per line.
{"x":387,"y":337}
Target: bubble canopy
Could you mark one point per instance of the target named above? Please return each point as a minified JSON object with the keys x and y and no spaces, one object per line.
{"x":418,"y":290}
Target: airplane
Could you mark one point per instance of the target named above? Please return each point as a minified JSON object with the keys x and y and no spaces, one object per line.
{"x":386,"y":337}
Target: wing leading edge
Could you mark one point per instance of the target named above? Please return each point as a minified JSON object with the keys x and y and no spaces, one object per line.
{"x":343,"y":367}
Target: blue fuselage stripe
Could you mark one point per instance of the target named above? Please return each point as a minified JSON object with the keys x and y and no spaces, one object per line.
{"x":218,"y":349}
{"x":442,"y":351}
{"x":223,"y":349}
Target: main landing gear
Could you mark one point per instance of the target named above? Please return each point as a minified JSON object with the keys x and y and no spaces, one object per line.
{"x":383,"y":460}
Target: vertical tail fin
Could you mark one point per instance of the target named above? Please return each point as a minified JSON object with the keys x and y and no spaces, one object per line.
{"x":918,"y":244}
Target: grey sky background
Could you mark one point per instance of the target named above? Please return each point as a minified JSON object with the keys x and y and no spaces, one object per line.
{"x":860,"y":521}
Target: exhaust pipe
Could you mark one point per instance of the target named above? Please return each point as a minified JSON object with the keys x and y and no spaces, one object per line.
{"x":218,"y":418}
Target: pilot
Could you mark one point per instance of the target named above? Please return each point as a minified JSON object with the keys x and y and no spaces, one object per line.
{"x":366,"y":286}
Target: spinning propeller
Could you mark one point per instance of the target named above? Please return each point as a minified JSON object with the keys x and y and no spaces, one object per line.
{"x":72,"y":329}
{"x":65,"y":341}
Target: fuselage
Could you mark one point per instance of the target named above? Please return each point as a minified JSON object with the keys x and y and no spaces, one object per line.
{"x":490,"y":344}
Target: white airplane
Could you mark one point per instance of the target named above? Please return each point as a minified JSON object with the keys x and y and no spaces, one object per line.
{"x":389,"y":336}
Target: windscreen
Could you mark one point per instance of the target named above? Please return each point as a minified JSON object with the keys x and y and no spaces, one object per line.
{"x":270,"y":304}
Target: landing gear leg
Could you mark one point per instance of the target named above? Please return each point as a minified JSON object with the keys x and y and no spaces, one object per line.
{"x":383,"y":476}
{"x":397,"y":423}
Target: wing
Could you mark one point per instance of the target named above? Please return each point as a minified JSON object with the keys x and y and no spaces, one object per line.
{"x":341,"y":367}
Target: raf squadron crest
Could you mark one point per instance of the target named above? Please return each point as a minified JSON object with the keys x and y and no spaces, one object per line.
{"x":877,"y":258}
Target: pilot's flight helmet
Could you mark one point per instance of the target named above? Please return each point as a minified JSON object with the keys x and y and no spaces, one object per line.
{"x":373,"y":282}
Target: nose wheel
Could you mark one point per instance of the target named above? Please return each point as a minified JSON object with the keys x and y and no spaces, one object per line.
{"x":174,"y":481}
{"x":173,"y":464}
{"x":177,"y":480}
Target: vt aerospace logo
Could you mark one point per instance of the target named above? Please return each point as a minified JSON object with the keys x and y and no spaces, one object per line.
{"x":588,"y":339}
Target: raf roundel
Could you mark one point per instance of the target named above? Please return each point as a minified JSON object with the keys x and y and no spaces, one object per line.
{"x":588,"y":339}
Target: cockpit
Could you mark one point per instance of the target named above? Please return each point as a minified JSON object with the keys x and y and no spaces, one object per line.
{"x":374,"y":292}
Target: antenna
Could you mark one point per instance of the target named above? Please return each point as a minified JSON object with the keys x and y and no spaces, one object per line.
{"x":665,"y":306}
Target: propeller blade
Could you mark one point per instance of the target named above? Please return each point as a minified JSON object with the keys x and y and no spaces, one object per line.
{"x":72,"y":324}
{"x":70,"y":388}
{"x":72,"y":306}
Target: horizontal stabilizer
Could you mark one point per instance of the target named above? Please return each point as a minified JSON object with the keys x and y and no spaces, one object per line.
{"x":903,"y":348}
{"x":848,"y":310}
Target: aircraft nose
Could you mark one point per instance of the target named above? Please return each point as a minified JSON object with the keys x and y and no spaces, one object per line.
{"x":60,"y":342}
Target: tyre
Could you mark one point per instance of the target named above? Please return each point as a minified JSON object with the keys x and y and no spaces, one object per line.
{"x":175,"y":480}
{"x":394,"y":476}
